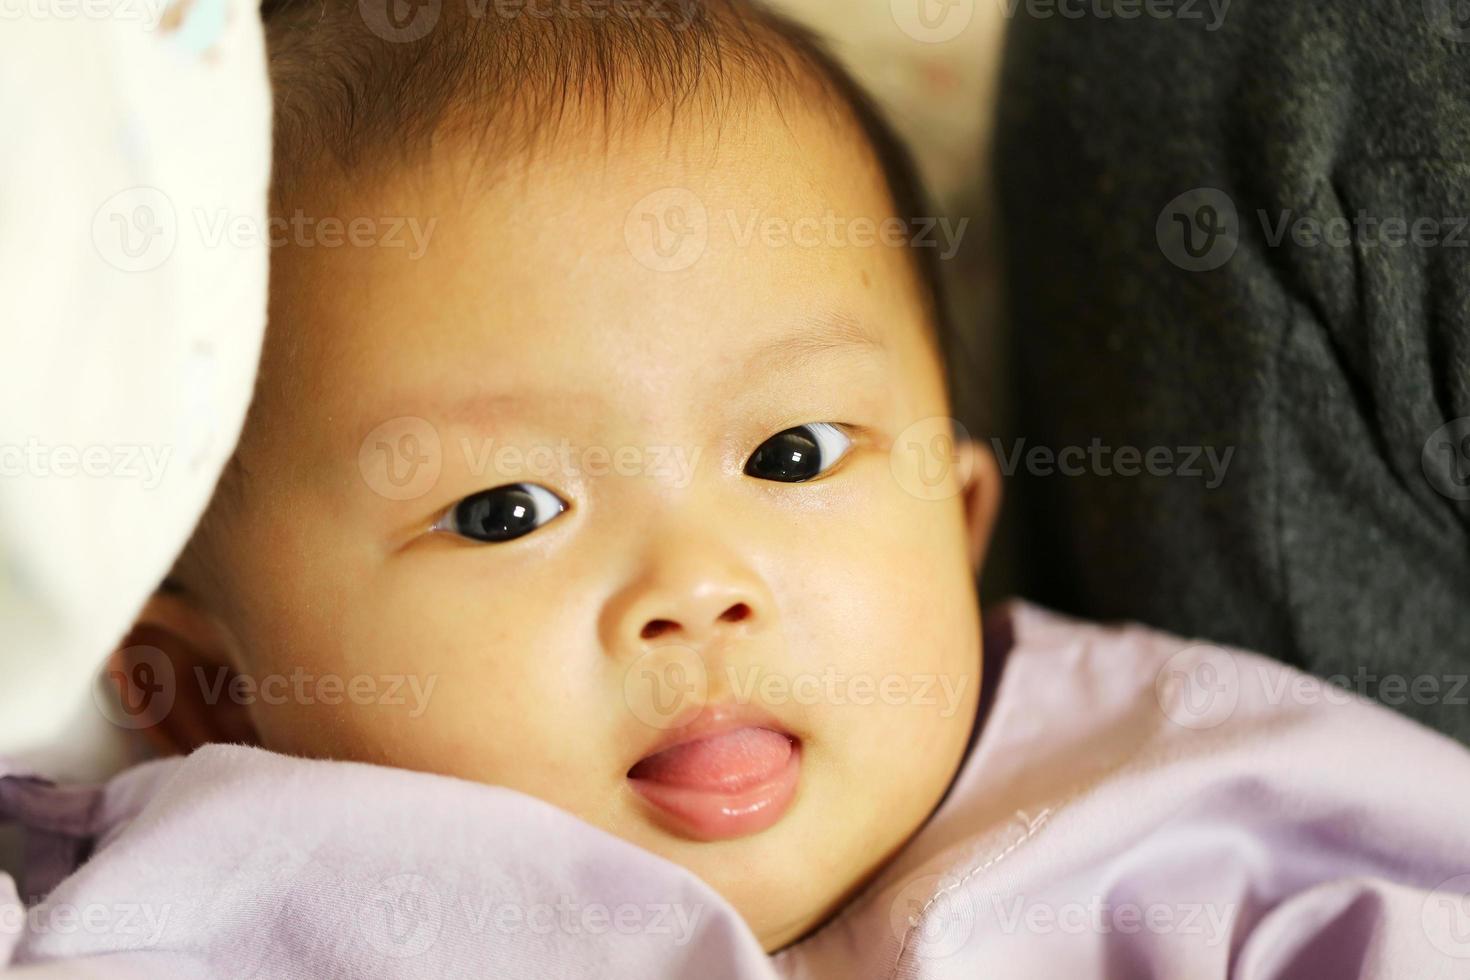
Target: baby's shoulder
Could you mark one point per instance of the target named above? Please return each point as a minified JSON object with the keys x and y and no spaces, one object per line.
{"x":1130,"y":672}
{"x":1123,"y":711}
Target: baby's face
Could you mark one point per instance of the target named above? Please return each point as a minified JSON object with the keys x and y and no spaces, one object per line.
{"x":627,"y":511}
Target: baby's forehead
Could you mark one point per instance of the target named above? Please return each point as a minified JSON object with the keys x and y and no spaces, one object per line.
{"x":695,"y":252}
{"x":660,"y":256}
{"x":635,"y":284}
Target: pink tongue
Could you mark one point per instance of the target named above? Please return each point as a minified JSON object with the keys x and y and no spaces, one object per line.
{"x":727,"y":762}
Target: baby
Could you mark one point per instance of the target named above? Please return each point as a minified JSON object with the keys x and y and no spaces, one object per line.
{"x":619,"y":454}
{"x":634,"y":490}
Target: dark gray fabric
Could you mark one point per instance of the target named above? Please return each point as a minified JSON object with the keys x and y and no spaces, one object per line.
{"x":1327,"y":368}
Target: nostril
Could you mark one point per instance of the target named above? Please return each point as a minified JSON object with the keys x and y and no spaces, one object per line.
{"x":654,"y":628}
{"x":736,"y":613}
{"x":657,"y":627}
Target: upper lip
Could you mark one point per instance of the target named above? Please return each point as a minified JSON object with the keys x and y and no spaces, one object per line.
{"x":712,"y":720}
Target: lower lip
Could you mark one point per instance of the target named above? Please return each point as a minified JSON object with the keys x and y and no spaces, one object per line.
{"x":728,"y":804}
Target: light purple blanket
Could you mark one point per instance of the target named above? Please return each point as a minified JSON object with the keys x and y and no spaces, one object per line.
{"x":1136,"y":806}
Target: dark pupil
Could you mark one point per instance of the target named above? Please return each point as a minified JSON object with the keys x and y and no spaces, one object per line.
{"x":790,"y":456}
{"x":497,"y":515}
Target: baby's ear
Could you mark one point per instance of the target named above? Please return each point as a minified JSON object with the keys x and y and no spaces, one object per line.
{"x":181,"y":654}
{"x":981,"y":494}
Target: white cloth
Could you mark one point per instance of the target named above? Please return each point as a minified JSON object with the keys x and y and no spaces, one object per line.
{"x":134,"y":164}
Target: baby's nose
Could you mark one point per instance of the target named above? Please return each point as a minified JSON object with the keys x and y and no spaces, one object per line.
{"x":691,"y":602}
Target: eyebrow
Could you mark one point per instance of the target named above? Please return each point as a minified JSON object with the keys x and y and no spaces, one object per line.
{"x":479,"y":406}
{"x":827,"y":333}
{"x":820,"y":335}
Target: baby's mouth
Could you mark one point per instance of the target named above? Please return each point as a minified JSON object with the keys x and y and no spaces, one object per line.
{"x":722,"y":782}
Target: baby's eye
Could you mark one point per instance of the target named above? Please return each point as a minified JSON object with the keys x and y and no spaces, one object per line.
{"x":800,"y":453}
{"x":502,"y":513}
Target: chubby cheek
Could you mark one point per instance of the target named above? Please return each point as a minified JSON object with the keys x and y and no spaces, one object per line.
{"x":898,"y":635}
{"x":486,"y":687}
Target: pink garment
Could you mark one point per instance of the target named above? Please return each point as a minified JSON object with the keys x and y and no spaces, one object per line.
{"x":1136,"y":805}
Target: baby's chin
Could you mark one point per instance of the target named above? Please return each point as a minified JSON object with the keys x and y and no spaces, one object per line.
{"x":788,"y":879}
{"x":720,"y":795}
{"x":773,"y":878}
{"x":770,"y":824}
